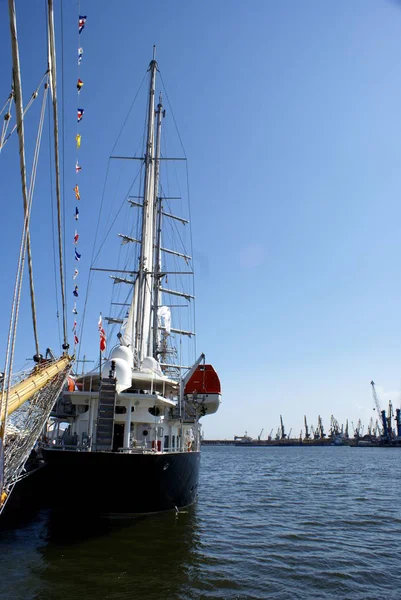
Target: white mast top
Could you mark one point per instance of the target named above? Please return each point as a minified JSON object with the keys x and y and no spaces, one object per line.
{"x":142,"y":299}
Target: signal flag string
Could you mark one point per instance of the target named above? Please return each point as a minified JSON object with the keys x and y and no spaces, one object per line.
{"x":78,"y":168}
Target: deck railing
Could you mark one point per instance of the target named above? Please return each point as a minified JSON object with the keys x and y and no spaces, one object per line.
{"x":140,"y":449}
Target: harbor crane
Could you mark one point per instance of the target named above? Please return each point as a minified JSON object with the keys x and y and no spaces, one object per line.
{"x":389,"y":419}
{"x":282,"y":428}
{"x":260,"y":435}
{"x":269,"y":437}
{"x":320,"y":428}
{"x":307,"y":434}
{"x":375,"y":398}
{"x":398,"y":421}
{"x":371,"y":428}
{"x":334,"y":427}
{"x":358,"y":430}
{"x":380,"y":413}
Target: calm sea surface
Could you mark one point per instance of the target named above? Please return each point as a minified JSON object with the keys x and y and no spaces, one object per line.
{"x":282,"y":523}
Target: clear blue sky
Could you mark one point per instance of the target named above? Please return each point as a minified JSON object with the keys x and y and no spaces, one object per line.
{"x":290,"y":113}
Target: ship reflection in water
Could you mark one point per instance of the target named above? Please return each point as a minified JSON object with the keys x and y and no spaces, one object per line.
{"x":61,"y":557}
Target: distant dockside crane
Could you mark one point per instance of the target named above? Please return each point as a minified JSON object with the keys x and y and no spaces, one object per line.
{"x":282,"y":437}
{"x":334,"y":427}
{"x":320,"y":429}
{"x":381,"y":414}
{"x":307,"y":434}
{"x":398,"y":421}
{"x":389,"y":420}
{"x":371,"y":428}
{"x":358,"y":430}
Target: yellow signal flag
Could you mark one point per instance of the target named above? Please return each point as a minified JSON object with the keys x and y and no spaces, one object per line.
{"x":78,"y":140}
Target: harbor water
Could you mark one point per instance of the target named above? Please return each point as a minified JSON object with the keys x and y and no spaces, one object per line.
{"x":280,"y":523}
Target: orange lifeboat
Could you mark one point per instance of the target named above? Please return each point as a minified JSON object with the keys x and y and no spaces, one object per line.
{"x":204,"y":387}
{"x":203,"y":381}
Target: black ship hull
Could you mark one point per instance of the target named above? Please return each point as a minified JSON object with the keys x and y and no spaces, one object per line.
{"x":117,"y":484}
{"x":26,"y":497}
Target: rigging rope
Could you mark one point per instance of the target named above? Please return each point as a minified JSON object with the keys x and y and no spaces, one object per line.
{"x":12,"y":334}
{"x":7,"y":117}
{"x":30,"y":195}
{"x":172,"y":114}
{"x":10,"y":97}
{"x":27,"y":200}
{"x":63,"y":116}
{"x":192,"y":254}
{"x":93,"y":257}
{"x":28,"y":106}
{"x":53,"y":230}
{"x":93,"y":260}
{"x":25,"y":238}
{"x":53,"y":84}
{"x":189,"y":202}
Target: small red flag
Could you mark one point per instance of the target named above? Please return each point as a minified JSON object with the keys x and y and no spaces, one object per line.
{"x":102,"y":334}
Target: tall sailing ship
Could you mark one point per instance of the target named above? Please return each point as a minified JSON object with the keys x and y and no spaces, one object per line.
{"x":126,"y":436}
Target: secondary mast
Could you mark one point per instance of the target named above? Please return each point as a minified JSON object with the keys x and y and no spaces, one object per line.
{"x":158,"y":230}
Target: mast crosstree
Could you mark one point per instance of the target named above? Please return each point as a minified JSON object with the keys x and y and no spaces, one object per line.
{"x":142,"y":331}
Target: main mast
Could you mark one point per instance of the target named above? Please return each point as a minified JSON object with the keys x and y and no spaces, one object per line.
{"x":144,"y":284}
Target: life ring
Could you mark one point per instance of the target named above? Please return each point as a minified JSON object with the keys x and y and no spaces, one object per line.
{"x":189,"y":444}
